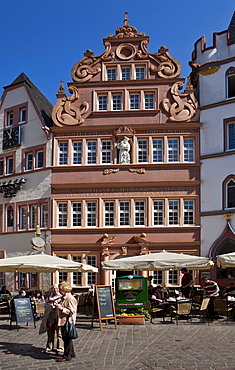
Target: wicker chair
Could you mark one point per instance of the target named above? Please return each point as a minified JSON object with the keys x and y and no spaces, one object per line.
{"x":221,"y":306}
{"x":183,"y":309}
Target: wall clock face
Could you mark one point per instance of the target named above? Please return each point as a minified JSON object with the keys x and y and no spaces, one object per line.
{"x":11,"y":137}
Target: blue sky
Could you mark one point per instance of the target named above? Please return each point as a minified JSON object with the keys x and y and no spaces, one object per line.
{"x":45,"y":38}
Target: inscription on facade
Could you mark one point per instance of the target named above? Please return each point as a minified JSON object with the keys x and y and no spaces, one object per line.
{"x":153,"y":191}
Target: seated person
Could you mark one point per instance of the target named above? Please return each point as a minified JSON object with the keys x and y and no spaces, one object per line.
{"x":230,"y":288}
{"x":38,"y":298}
{"x":156,"y":295}
{"x":4,"y":290}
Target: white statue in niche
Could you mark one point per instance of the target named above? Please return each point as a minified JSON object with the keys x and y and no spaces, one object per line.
{"x":124,"y":150}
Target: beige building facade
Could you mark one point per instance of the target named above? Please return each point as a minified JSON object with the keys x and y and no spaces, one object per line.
{"x":126,"y":169}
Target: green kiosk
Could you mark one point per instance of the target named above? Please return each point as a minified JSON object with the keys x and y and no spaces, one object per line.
{"x":132,"y":292}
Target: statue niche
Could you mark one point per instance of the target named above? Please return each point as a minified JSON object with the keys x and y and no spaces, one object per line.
{"x":124,"y":148}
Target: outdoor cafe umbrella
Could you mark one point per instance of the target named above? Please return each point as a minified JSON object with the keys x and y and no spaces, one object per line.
{"x":226,"y":260}
{"x":43,"y":263}
{"x":161,"y":261}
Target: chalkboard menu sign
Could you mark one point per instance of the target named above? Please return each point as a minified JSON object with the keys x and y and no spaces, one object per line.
{"x":104,"y":304}
{"x":23,"y":311}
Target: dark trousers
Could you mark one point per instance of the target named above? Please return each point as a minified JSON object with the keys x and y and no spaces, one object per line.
{"x":185,"y":291}
{"x":68,"y":344}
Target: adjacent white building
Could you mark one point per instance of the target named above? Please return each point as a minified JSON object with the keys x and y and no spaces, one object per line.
{"x":214,"y":75}
{"x":25,"y":174}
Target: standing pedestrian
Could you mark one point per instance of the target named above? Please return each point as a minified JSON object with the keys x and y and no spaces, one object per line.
{"x":68,"y":304}
{"x":186,"y":281}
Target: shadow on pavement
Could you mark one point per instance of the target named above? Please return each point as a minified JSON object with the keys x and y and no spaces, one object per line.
{"x":25,"y":350}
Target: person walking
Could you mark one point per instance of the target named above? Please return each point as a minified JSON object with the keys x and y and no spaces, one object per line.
{"x":68,"y":304}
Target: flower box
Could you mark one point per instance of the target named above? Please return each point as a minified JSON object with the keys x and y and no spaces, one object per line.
{"x":132,"y":320}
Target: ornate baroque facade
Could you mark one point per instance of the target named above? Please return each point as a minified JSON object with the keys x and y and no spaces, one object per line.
{"x":126,"y":171}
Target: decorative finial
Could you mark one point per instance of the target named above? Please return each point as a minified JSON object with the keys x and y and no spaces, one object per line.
{"x":126,"y":20}
{"x":38,"y":231}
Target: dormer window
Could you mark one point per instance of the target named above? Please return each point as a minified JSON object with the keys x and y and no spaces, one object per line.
{"x":125,"y":73}
{"x":230,"y":75}
{"x":111,"y":74}
{"x":22,"y":115}
{"x":140,"y":73}
{"x":102,"y":102}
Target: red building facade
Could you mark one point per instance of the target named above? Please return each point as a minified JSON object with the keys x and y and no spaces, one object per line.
{"x":126,"y":170}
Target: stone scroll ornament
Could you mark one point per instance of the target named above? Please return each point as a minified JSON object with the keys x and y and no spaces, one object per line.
{"x":164,"y":65}
{"x":88,"y":67}
{"x":181,"y":109}
{"x":65,"y":112}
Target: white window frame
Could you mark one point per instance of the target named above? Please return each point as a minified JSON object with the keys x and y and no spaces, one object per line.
{"x":173,"y":212}
{"x":173,"y":150}
{"x":76,"y":213}
{"x":113,"y":73}
{"x":22,"y":117}
{"x":116,"y":105}
{"x":149,"y":104}
{"x":63,"y":153}
{"x":109,"y":213}
{"x":106,"y":151}
{"x":9,"y":165}
{"x":62,"y":214}
{"x":22,"y":218}
{"x":102,"y":102}
{"x":140,"y":213}
{"x":189,"y":211}
{"x":189,"y":150}
{"x":77,"y":275}
{"x":91,"y":214}
{"x":134,"y":101}
{"x":38,"y":160}
{"x":158,"y":212}
{"x":33,"y":213}
{"x":157,"y":150}
{"x":124,"y":213}
{"x":10,"y":119}
{"x":125,"y":73}
{"x":91,"y":152}
{"x":91,"y":276}
{"x":140,"y":75}
{"x":77,"y":152}
{"x":44,"y":216}
{"x":142,"y":145}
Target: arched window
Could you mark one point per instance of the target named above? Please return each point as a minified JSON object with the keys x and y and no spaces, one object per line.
{"x":226,"y":273}
{"x":230,"y":80}
{"x":10,"y":217}
{"x":231,"y":194}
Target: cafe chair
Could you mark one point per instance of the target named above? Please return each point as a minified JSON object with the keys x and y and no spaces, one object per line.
{"x":221,"y":306}
{"x":156,"y":311}
{"x":203,"y":310}
{"x":82,"y":302}
{"x":39,"y":310}
{"x":183,"y":309}
{"x":5,"y":307}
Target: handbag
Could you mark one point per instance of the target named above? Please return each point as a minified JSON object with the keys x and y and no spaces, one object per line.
{"x":70,"y":328}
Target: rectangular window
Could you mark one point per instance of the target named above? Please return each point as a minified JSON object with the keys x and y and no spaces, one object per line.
{"x":22,"y":280}
{"x":44,"y":215}
{"x":33,"y":280}
{"x":91,"y":152}
{"x":116,"y":102}
{"x":63,"y":153}
{"x":134,"y":101}
{"x":173,"y":150}
{"x":148,"y":101}
{"x":62,"y":214}
{"x":33,"y":216}
{"x":106,"y":151}
{"x":231,"y":136}
{"x":231,"y":84}
{"x":77,"y":214}
{"x":188,"y":212}
{"x":157,"y":150}
{"x":173,"y":209}
{"x":158,"y":212}
{"x":139,"y":213}
{"x":9,"y":166}
{"x":102,"y":102}
{"x":173,"y":277}
{"x":22,"y":115}
{"x":77,"y":152}
{"x":124,"y":213}
{"x":1,"y":167}
{"x":111,"y":74}
{"x":142,"y":151}
{"x":189,"y":150}
{"x":77,"y":276}
{"x":28,"y":161}
{"x":91,"y":213}
{"x":22,"y":218}
{"x":91,"y":276}
{"x":109,"y":213}
{"x":125,"y":73}
{"x":39,"y":160}
{"x":9,"y":119}
{"x":140,"y":73}
{"x":157,"y":277}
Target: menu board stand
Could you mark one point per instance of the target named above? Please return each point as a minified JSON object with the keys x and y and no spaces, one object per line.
{"x":23,"y":312}
{"x":103,"y":306}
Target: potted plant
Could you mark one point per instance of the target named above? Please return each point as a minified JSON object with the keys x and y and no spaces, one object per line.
{"x":133,"y":316}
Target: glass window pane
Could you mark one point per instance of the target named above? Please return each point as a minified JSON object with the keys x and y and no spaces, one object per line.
{"x":139,"y":213}
{"x":63,"y":152}
{"x":142,"y":151}
{"x":188,"y":212}
{"x":109,"y":213}
{"x":173,"y":212}
{"x":77,"y":152}
{"x":116,"y":101}
{"x":39,"y":159}
{"x":106,"y":151}
{"x":134,"y":101}
{"x":158,"y":212}
{"x":157,"y":150}
{"x":77,"y":214}
{"x":173,"y":150}
{"x":111,"y":74}
{"x":148,"y":101}
{"x":62,"y":214}
{"x":125,"y":73}
{"x":91,"y":152}
{"x":189,"y":150}
{"x":102,"y":102}
{"x":140,"y":73}
{"x":91,"y":213}
{"x":231,"y":135}
{"x":124,"y":213}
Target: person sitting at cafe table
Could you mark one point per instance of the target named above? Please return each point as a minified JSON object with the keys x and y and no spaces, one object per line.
{"x":210,"y":289}
{"x":230,"y":288}
{"x":186,"y":281}
{"x":156,"y":295}
{"x":5,"y":291}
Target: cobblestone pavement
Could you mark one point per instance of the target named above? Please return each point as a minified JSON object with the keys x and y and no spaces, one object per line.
{"x":159,"y":346}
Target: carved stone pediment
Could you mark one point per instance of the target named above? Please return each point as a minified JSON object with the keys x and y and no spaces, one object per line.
{"x":65,"y":112}
{"x":107,"y":240}
{"x":184,"y":104}
{"x":124,"y":131}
